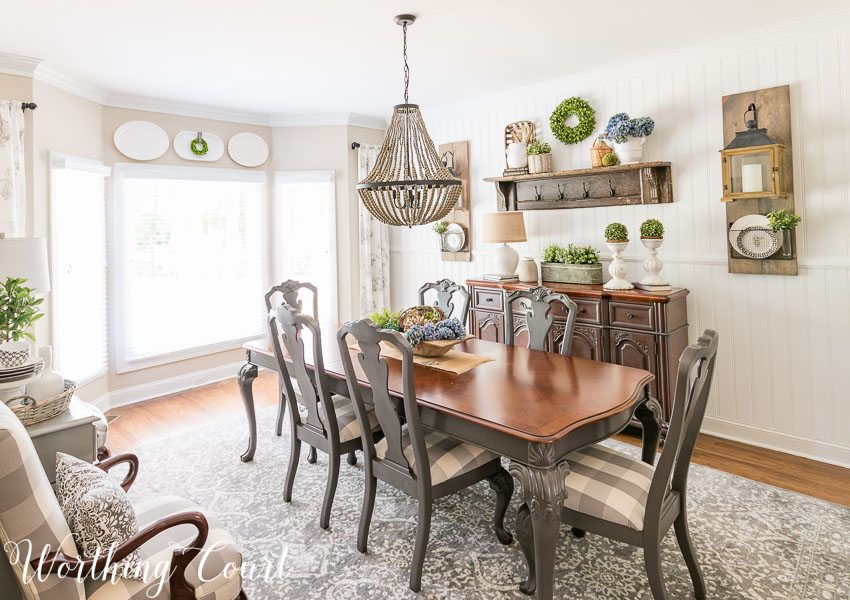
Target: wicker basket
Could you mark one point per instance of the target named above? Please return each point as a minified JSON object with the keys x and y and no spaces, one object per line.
{"x":540,"y":163}
{"x":31,"y":411}
{"x":597,"y":151}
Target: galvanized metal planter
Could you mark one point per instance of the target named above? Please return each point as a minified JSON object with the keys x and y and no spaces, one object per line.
{"x":564,"y":273}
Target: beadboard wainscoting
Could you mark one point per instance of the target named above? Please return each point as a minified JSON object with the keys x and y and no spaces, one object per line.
{"x":785,"y":341}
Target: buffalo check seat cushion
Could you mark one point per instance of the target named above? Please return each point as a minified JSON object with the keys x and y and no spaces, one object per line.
{"x":346,"y":418}
{"x":219,"y":579}
{"x":608,"y":485}
{"x":449,"y":457}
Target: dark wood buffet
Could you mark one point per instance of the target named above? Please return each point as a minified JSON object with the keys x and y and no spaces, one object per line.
{"x":647,"y":330}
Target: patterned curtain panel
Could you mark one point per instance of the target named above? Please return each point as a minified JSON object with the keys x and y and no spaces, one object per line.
{"x":12,"y":174}
{"x":374,"y":246}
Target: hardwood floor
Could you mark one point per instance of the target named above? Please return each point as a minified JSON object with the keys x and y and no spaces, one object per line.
{"x":169,"y":416}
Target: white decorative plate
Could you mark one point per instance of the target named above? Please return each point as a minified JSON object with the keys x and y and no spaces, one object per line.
{"x":454,"y":238}
{"x":752,"y":237}
{"x":248,"y":149}
{"x":182,"y":141}
{"x":141,"y":140}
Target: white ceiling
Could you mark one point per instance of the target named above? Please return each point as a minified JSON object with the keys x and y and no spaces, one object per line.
{"x":332,"y":56}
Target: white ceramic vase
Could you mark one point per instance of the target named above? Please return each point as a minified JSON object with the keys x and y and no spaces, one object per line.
{"x":527,"y":270}
{"x":516,"y":156}
{"x":652,"y":264}
{"x":630,"y":151}
{"x":617,"y":268}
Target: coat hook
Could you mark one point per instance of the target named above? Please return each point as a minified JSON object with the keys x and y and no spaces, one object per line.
{"x":561,"y":191}
{"x":537,"y":195}
{"x":200,"y":137}
{"x":586,"y":190}
{"x":611,"y":187}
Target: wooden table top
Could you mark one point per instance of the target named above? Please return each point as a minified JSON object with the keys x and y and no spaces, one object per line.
{"x":535,"y":396}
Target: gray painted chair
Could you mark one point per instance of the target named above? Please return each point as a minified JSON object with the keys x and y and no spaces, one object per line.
{"x":331,"y":424}
{"x":289,"y":293}
{"x":447,"y":290}
{"x":536,"y":318}
{"x":617,"y":496}
{"x":407,"y":444}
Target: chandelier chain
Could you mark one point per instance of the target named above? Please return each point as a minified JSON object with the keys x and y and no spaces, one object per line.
{"x":406,"y":68}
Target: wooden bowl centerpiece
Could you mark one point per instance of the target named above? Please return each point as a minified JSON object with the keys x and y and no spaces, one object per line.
{"x":429,"y":332}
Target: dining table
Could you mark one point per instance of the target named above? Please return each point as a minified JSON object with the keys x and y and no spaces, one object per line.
{"x":532,"y":407}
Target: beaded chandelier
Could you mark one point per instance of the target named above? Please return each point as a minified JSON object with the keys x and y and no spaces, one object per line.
{"x":409,"y":184}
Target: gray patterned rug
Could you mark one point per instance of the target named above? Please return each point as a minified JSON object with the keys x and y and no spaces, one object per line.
{"x":754,"y":541}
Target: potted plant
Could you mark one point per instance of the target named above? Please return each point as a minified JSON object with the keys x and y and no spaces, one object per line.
{"x":573,"y":264}
{"x":652,"y":236}
{"x":617,"y":238}
{"x":784,"y":221}
{"x":628,"y":136}
{"x":440,"y":228}
{"x":19,"y":309}
{"x":539,"y":157}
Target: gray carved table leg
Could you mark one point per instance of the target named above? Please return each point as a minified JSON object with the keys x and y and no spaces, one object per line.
{"x":651,"y":417}
{"x":247,"y":375}
{"x":539,"y":518}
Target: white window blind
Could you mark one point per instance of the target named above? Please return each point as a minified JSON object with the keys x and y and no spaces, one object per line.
{"x":78,"y":266}
{"x":305,"y":234}
{"x":190,"y":258}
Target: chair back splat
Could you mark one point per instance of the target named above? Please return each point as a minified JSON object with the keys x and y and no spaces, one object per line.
{"x":535,"y":316}
{"x":390,"y":416}
{"x":289,"y":291}
{"x":447,"y":291}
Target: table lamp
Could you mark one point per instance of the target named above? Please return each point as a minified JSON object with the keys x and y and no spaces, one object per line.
{"x":504,"y":228}
{"x":25,"y":258}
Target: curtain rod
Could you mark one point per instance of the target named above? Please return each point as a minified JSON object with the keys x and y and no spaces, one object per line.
{"x":355,"y":145}
{"x":28,"y":105}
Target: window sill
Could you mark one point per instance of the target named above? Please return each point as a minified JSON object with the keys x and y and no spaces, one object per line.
{"x":128,"y":366}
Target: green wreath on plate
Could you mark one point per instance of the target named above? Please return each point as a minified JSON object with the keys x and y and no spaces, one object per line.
{"x":586,"y":120}
{"x":199,"y":147}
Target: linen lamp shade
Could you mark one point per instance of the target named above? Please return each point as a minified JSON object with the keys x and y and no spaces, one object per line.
{"x":25,"y":258}
{"x":504,"y":227}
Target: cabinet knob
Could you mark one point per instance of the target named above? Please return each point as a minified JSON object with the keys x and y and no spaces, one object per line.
{"x":581,"y":310}
{"x":488,"y":299}
{"x":630,"y":316}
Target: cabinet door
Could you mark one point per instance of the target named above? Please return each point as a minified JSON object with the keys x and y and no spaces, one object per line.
{"x":587,"y":341}
{"x":638,"y":350}
{"x":488,"y":326}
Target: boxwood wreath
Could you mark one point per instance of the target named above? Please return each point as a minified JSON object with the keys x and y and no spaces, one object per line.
{"x":199,"y":146}
{"x":586,"y":120}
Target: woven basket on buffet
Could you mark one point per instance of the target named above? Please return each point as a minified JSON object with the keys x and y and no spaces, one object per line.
{"x":597,"y":151}
{"x":31,"y":411}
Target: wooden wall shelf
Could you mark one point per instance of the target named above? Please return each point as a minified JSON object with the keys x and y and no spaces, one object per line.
{"x":640,"y":183}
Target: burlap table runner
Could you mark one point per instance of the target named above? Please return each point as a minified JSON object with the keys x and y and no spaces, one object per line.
{"x":453,"y":361}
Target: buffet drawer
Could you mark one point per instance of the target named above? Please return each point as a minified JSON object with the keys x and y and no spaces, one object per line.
{"x":631,"y":316}
{"x":488,"y":299}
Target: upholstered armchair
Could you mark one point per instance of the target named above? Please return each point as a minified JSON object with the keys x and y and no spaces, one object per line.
{"x":172,"y":532}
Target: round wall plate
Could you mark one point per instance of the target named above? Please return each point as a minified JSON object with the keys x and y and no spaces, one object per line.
{"x":751,"y":236}
{"x":248,"y":149}
{"x":141,"y":140}
{"x":182,"y":141}
{"x":454,"y":238}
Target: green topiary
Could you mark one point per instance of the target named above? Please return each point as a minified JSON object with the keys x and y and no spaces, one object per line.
{"x":566,"y":109}
{"x":652,"y":228}
{"x":538,"y":147}
{"x":609,"y":160}
{"x":616,"y":232}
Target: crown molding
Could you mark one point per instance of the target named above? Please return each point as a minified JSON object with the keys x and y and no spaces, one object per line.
{"x":69,"y":84}
{"x":327,"y":120}
{"x":185,"y":109}
{"x":22,"y":66}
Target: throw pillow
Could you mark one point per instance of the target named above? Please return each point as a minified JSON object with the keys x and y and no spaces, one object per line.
{"x":98,"y":511}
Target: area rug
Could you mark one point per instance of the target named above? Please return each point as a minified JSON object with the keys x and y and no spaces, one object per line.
{"x":754,"y":541}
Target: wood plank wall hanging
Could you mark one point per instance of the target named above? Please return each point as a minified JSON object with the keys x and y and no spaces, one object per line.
{"x":773,"y":106}
{"x":456,"y":156}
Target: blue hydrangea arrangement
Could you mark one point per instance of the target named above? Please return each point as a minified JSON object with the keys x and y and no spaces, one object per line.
{"x":620,"y":127}
{"x":447,"y":329}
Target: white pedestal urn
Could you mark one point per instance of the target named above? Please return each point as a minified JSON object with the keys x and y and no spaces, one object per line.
{"x":617,"y":268}
{"x":630,"y":151}
{"x":652,"y":264}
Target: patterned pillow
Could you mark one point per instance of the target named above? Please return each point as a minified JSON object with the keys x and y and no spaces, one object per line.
{"x":97,"y":510}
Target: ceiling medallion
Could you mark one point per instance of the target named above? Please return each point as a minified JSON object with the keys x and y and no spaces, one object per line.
{"x":409,"y":184}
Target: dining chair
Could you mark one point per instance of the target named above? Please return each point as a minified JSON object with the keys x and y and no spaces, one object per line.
{"x":619,"y":497}
{"x":289,"y":293}
{"x":535,"y":317}
{"x":453,"y":464}
{"x":447,"y":290}
{"x":331,"y":424}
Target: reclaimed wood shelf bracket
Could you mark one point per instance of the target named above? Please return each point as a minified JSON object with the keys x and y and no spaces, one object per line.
{"x":639,"y":183}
